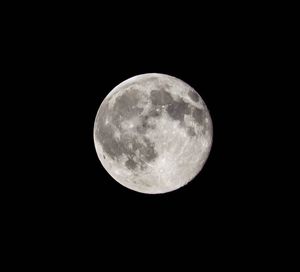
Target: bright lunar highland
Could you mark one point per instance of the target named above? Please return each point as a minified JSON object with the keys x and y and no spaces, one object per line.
{"x":153,"y":133}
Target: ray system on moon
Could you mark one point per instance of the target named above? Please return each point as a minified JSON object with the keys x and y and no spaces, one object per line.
{"x":153,"y":133}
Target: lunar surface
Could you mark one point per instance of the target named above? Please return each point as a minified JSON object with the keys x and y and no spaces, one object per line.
{"x":153,"y":133}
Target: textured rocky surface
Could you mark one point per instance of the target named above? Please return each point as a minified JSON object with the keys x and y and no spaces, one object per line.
{"x":153,"y":133}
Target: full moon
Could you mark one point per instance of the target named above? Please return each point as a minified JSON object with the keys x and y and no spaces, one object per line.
{"x":153,"y":133}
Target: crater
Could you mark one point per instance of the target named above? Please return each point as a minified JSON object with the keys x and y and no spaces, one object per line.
{"x":193,"y":95}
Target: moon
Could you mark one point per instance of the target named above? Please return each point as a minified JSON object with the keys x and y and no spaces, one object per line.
{"x":153,"y":133}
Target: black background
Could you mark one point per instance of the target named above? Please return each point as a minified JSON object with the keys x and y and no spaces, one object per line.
{"x":74,"y":59}
{"x":85,"y":68}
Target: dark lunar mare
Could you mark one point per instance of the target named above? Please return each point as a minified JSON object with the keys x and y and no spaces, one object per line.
{"x":104,"y":133}
{"x":160,"y":97}
{"x":199,"y":117}
{"x":176,"y":109}
{"x":125,"y":108}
